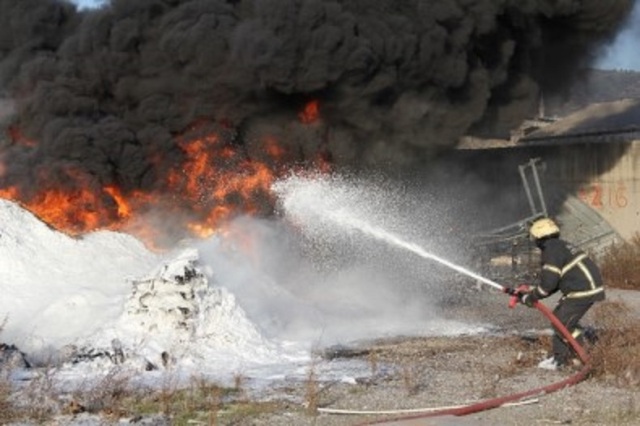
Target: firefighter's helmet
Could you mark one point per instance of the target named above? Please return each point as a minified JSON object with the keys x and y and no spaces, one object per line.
{"x":543,"y":228}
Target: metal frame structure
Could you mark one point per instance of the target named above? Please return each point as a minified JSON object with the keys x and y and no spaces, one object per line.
{"x":535,"y":196}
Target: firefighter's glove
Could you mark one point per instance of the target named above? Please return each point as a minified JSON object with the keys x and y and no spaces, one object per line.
{"x":527,"y":299}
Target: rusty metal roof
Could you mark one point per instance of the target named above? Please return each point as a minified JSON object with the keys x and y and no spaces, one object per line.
{"x":617,"y":121}
{"x":470,"y":142}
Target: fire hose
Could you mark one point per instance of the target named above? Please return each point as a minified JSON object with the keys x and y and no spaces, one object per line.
{"x":508,"y":399}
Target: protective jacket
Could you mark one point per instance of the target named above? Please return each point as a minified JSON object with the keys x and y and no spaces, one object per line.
{"x":569,"y":271}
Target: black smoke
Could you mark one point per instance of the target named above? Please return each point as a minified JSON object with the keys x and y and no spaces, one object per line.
{"x":108,"y":91}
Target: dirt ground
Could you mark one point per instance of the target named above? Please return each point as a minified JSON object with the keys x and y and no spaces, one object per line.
{"x":418,"y":373}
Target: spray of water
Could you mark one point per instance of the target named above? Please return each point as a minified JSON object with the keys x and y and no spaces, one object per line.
{"x":331,"y":283}
{"x":312,"y":203}
{"x":348,"y":220}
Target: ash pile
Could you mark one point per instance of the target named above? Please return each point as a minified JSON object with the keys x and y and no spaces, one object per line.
{"x":169,"y":302}
{"x":166,"y":305}
{"x":176,"y":315}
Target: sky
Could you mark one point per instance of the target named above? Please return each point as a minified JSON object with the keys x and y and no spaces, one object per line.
{"x":622,"y":54}
{"x":89,"y":3}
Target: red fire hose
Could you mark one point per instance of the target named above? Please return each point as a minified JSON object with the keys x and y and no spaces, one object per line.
{"x":496,"y":402}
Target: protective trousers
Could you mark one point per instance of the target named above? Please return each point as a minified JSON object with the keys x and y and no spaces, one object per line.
{"x":569,"y":312}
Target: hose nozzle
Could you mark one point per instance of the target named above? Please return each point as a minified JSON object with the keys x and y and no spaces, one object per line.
{"x":515,"y":293}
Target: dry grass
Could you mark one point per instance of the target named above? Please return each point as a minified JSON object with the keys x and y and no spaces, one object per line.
{"x":39,"y":400}
{"x":409,"y":376}
{"x":110,"y":395}
{"x":239,"y":380}
{"x":8,"y":412}
{"x":620,"y":265}
{"x":201,"y":401}
{"x":312,"y":391}
{"x":115,"y":396}
{"x":372,"y":357}
{"x":615,"y":354}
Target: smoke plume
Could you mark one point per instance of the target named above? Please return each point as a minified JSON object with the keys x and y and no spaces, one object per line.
{"x":109,"y":91}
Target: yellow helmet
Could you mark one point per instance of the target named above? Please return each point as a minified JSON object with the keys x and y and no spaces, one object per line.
{"x":543,"y":228}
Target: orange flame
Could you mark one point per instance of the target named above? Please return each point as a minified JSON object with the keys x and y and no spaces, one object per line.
{"x":310,"y":113}
{"x":273,"y":149}
{"x":18,"y":137}
{"x":218,"y":181}
{"x":213,"y":182}
{"x":124,"y":209}
{"x":75,"y":210}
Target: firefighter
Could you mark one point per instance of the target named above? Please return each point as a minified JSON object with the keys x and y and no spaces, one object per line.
{"x":575,"y":275}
